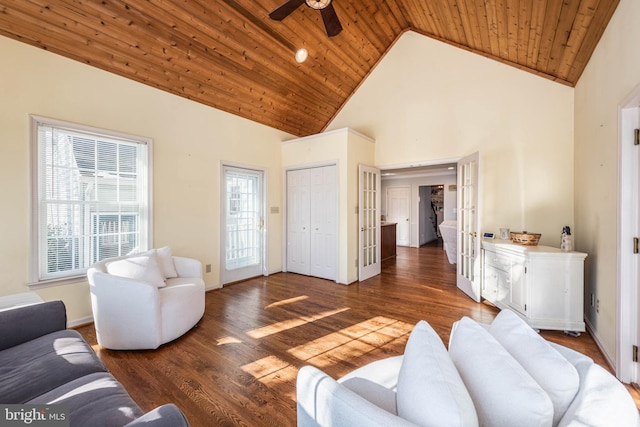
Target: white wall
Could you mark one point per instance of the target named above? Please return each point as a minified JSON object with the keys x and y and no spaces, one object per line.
{"x":189,"y":141}
{"x":612,"y":74}
{"x":414,"y":183}
{"x":427,"y":100}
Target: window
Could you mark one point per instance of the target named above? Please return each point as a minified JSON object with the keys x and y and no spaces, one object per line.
{"x":91,"y":193}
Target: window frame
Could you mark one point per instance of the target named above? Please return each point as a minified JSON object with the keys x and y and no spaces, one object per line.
{"x":35,"y":282}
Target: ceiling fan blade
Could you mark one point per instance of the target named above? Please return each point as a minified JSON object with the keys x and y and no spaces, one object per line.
{"x":331,"y":21}
{"x":285,"y":9}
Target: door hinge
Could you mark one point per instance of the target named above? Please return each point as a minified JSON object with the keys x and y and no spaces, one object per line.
{"x":636,"y":243}
{"x":635,"y":353}
{"x":636,"y":137}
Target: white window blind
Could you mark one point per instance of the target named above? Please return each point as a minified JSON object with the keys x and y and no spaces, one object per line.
{"x":92,"y":197}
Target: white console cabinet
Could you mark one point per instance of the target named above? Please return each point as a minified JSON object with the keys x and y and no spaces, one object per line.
{"x":542,"y":284}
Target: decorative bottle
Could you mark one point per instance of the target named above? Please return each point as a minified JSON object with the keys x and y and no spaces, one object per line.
{"x":566,"y":241}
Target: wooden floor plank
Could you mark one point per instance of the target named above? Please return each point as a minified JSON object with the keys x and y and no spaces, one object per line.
{"x":239,"y":365}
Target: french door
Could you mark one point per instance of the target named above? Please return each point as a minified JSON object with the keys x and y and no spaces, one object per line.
{"x":468,"y":277}
{"x":243,"y":223}
{"x":369,"y":222}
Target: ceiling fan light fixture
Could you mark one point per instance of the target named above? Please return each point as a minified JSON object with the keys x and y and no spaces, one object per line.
{"x":317,"y":4}
{"x":301,"y":55}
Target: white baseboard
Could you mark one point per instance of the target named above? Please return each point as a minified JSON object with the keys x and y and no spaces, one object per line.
{"x":598,"y":341}
{"x":208,"y":288}
{"x":79,"y":322}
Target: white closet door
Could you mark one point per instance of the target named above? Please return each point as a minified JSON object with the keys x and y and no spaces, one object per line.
{"x":323,"y":257}
{"x":298,"y":221}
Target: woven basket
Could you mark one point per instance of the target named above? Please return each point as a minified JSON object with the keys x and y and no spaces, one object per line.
{"x":524,"y":238}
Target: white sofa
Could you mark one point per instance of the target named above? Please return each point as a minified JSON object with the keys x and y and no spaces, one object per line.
{"x":498,"y":375}
{"x":144,"y":300}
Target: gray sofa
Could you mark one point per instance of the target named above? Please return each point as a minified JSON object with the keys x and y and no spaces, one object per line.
{"x":42,"y":362}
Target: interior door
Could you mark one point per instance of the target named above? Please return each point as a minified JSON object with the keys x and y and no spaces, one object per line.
{"x":468,"y":277}
{"x":243,"y":223}
{"x":368,"y":222}
{"x":324,"y":222}
{"x":298,"y":221}
{"x":399,"y":211}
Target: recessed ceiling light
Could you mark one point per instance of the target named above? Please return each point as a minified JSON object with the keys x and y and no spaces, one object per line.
{"x":301,"y":55}
{"x":450,"y":168}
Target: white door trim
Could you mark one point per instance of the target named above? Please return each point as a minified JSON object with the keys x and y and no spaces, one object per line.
{"x":628,"y":304}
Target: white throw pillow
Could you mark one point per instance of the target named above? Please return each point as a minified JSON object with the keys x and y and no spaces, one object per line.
{"x":504,"y":393}
{"x":165,"y":259}
{"x":554,"y":373}
{"x":430,"y":391}
{"x":144,"y":268}
{"x":602,"y":401}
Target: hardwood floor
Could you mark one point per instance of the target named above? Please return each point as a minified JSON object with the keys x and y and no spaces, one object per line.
{"x":238,"y":366}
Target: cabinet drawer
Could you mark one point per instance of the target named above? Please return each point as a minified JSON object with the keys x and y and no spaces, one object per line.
{"x":497,"y":260}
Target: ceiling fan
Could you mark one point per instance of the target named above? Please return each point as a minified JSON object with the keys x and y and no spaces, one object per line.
{"x":329,"y":17}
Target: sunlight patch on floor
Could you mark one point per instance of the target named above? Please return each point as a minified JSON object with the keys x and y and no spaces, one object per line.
{"x":274,"y":373}
{"x":265,"y":366}
{"x":228,"y":340}
{"x":291,"y":323}
{"x":351,"y":342}
{"x":287,"y":301}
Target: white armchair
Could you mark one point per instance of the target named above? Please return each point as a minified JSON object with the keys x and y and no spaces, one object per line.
{"x":142,"y":301}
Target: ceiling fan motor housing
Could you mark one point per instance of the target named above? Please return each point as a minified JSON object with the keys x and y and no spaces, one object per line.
{"x":317,"y":4}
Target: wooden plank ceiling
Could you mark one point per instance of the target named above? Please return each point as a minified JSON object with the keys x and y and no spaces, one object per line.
{"x":229,"y":55}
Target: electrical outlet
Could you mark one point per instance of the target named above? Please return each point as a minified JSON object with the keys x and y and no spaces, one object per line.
{"x":598,"y":306}
{"x":207,"y":268}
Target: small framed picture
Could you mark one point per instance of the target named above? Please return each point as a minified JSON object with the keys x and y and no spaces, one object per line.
{"x":488,"y":235}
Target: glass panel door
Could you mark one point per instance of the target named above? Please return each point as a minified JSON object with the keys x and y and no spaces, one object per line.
{"x":468,"y":235}
{"x":243,"y":224}
{"x":369,"y":219}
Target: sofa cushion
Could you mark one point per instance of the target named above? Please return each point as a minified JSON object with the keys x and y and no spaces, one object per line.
{"x":383,"y":372}
{"x":165,"y":259}
{"x":38,"y":366}
{"x":375,"y":393}
{"x":93,"y":400}
{"x":22,"y":324}
{"x":503,"y":392}
{"x":144,"y":268}
{"x":602,"y":400}
{"x":430,"y":390}
{"x":554,"y":373}
{"x":322,"y":401}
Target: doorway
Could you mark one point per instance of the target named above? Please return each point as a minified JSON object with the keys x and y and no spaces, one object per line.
{"x":242,"y":223}
{"x":430,"y":212}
